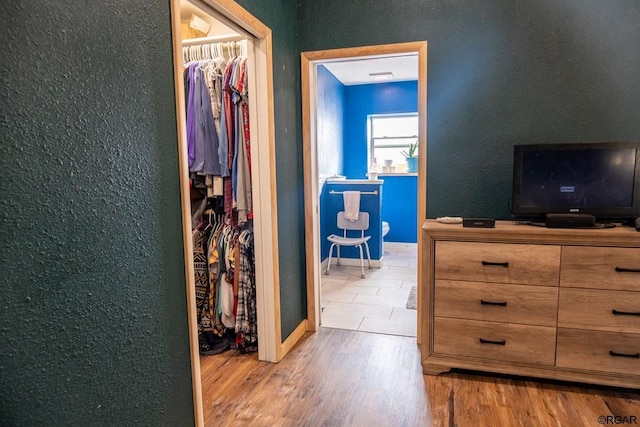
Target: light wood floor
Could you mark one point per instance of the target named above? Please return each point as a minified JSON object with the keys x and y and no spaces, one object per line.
{"x":339,"y":377}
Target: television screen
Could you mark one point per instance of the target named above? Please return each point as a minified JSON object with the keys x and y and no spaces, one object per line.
{"x":598,"y":179}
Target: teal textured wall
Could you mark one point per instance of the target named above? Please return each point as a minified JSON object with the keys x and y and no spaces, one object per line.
{"x":92,"y":279}
{"x":92,"y":289}
{"x":330,"y":136}
{"x":500,"y":72}
{"x":280,"y":16}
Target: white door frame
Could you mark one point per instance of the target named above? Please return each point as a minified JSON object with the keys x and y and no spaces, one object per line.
{"x":309,"y":62}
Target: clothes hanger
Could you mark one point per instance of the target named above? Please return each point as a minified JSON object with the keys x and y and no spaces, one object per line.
{"x":218,"y":56}
{"x":243,"y":48}
{"x":188,"y":55}
{"x":209,"y":224}
{"x":221,"y":221}
{"x":206,"y":56}
{"x":229,"y":50}
{"x":215,"y":222}
{"x":245,"y":237}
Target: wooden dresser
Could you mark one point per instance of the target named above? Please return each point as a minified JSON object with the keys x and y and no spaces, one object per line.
{"x":532,"y":301}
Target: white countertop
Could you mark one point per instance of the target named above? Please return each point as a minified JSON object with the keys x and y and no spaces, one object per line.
{"x":354,"y":181}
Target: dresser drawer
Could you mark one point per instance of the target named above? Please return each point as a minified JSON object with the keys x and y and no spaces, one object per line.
{"x":601,"y":268}
{"x":498,"y":262}
{"x":494,"y":341}
{"x":617,"y":311}
{"x":599,"y":351}
{"x":496,"y":302}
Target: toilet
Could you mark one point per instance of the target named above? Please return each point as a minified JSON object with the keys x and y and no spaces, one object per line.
{"x":385,"y":228}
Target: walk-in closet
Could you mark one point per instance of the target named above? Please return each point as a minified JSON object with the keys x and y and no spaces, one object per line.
{"x":215,"y":73}
{"x":216,"y":99}
{"x":223,"y":74}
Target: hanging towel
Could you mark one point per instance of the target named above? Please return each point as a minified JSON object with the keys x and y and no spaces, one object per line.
{"x":351,"y":205}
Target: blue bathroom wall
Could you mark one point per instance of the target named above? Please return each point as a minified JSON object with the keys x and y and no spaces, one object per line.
{"x":330,"y":108}
{"x":334,"y":203}
{"x":345,"y":109}
{"x":362,"y":100}
{"x":400,"y":207}
{"x":330,"y":130}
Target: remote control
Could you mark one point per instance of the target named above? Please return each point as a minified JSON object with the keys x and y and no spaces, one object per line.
{"x":450,"y":219}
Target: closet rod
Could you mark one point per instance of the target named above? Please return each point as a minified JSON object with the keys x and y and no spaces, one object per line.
{"x":213,"y":39}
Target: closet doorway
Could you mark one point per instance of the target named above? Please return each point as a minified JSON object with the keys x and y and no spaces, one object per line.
{"x":310,"y":61}
{"x":201,"y":17}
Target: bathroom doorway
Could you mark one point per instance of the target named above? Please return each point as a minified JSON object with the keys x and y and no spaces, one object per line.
{"x":356,"y":58}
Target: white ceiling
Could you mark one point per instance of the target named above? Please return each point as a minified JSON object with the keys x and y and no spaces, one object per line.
{"x":218,"y":28}
{"x":356,"y":71}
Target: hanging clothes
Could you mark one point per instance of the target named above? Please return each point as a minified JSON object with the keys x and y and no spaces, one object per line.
{"x":208,"y":342}
{"x":218,"y":135}
{"x":246,"y":317}
{"x":191,"y":120}
{"x":219,"y":153}
{"x":214,"y":276}
{"x":242,"y":166}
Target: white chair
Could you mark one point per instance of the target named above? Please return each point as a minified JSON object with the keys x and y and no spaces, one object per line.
{"x":361,"y":225}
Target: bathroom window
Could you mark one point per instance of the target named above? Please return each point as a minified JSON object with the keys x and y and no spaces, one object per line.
{"x":389,"y":136}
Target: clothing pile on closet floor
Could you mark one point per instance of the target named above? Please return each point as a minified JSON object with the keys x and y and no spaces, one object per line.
{"x":224,"y":263}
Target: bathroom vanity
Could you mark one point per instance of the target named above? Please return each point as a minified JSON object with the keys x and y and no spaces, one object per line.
{"x":370,"y":201}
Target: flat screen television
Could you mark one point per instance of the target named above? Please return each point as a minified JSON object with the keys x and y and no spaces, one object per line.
{"x":598,"y":179}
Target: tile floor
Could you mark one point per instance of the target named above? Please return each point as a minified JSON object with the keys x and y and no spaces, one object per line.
{"x":376,"y":303}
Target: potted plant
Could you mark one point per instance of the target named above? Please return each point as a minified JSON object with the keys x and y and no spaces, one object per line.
{"x":411,"y":156}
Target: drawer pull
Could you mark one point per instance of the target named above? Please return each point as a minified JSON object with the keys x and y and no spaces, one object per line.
{"x":633,"y":356}
{"x":498,"y":264}
{"x":627,"y":270}
{"x":501,"y":342}
{"x":501,"y":304}
{"x":624,"y":313}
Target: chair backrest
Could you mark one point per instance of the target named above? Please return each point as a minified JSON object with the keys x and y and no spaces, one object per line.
{"x":361,"y":224}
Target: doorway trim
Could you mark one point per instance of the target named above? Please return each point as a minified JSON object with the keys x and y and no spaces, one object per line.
{"x":271,"y":347}
{"x":309,"y":62}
